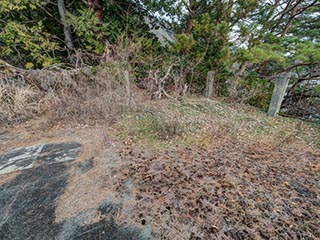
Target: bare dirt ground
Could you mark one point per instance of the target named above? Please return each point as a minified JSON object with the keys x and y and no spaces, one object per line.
{"x":230,"y":188}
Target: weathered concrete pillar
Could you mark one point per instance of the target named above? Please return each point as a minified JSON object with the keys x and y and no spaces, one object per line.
{"x":210,"y":91}
{"x":278,"y":93}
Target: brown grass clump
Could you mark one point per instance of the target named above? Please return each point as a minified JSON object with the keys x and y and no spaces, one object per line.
{"x":18,"y":103}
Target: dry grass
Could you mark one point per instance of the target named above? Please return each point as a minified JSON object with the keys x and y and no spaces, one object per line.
{"x":66,"y":94}
{"x":18,"y":103}
{"x":100,"y":97}
{"x":200,"y":121}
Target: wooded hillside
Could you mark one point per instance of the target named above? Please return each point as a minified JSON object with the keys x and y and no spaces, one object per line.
{"x":246,"y":44}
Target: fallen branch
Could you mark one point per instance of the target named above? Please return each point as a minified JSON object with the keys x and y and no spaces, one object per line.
{"x":43,"y":79}
{"x":161,"y":83}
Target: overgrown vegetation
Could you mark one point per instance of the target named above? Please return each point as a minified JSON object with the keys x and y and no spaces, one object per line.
{"x":62,"y":94}
{"x":247,"y":44}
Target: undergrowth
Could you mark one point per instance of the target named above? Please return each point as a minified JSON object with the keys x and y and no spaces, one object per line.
{"x":65,"y":94}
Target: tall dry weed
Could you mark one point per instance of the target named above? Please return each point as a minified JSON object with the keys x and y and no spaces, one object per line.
{"x":18,"y":103}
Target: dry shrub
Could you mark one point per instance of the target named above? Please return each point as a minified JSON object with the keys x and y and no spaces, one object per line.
{"x":96,"y":93}
{"x":82,"y":94}
{"x":159,"y":126}
{"x":97,"y":96}
{"x":89,"y":104}
{"x":18,"y":103}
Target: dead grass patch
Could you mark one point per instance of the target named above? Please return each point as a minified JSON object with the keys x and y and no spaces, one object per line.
{"x":18,"y":103}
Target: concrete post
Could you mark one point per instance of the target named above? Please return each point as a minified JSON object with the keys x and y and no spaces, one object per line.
{"x":278,"y":93}
{"x":210,"y":85}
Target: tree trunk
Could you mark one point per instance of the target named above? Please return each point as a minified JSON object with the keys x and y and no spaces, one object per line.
{"x":190,"y":23}
{"x":66,"y":27}
{"x":289,"y":23}
{"x":263,"y":66}
{"x":242,"y":69}
{"x":96,"y":7}
{"x":234,"y":84}
{"x":191,"y":14}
